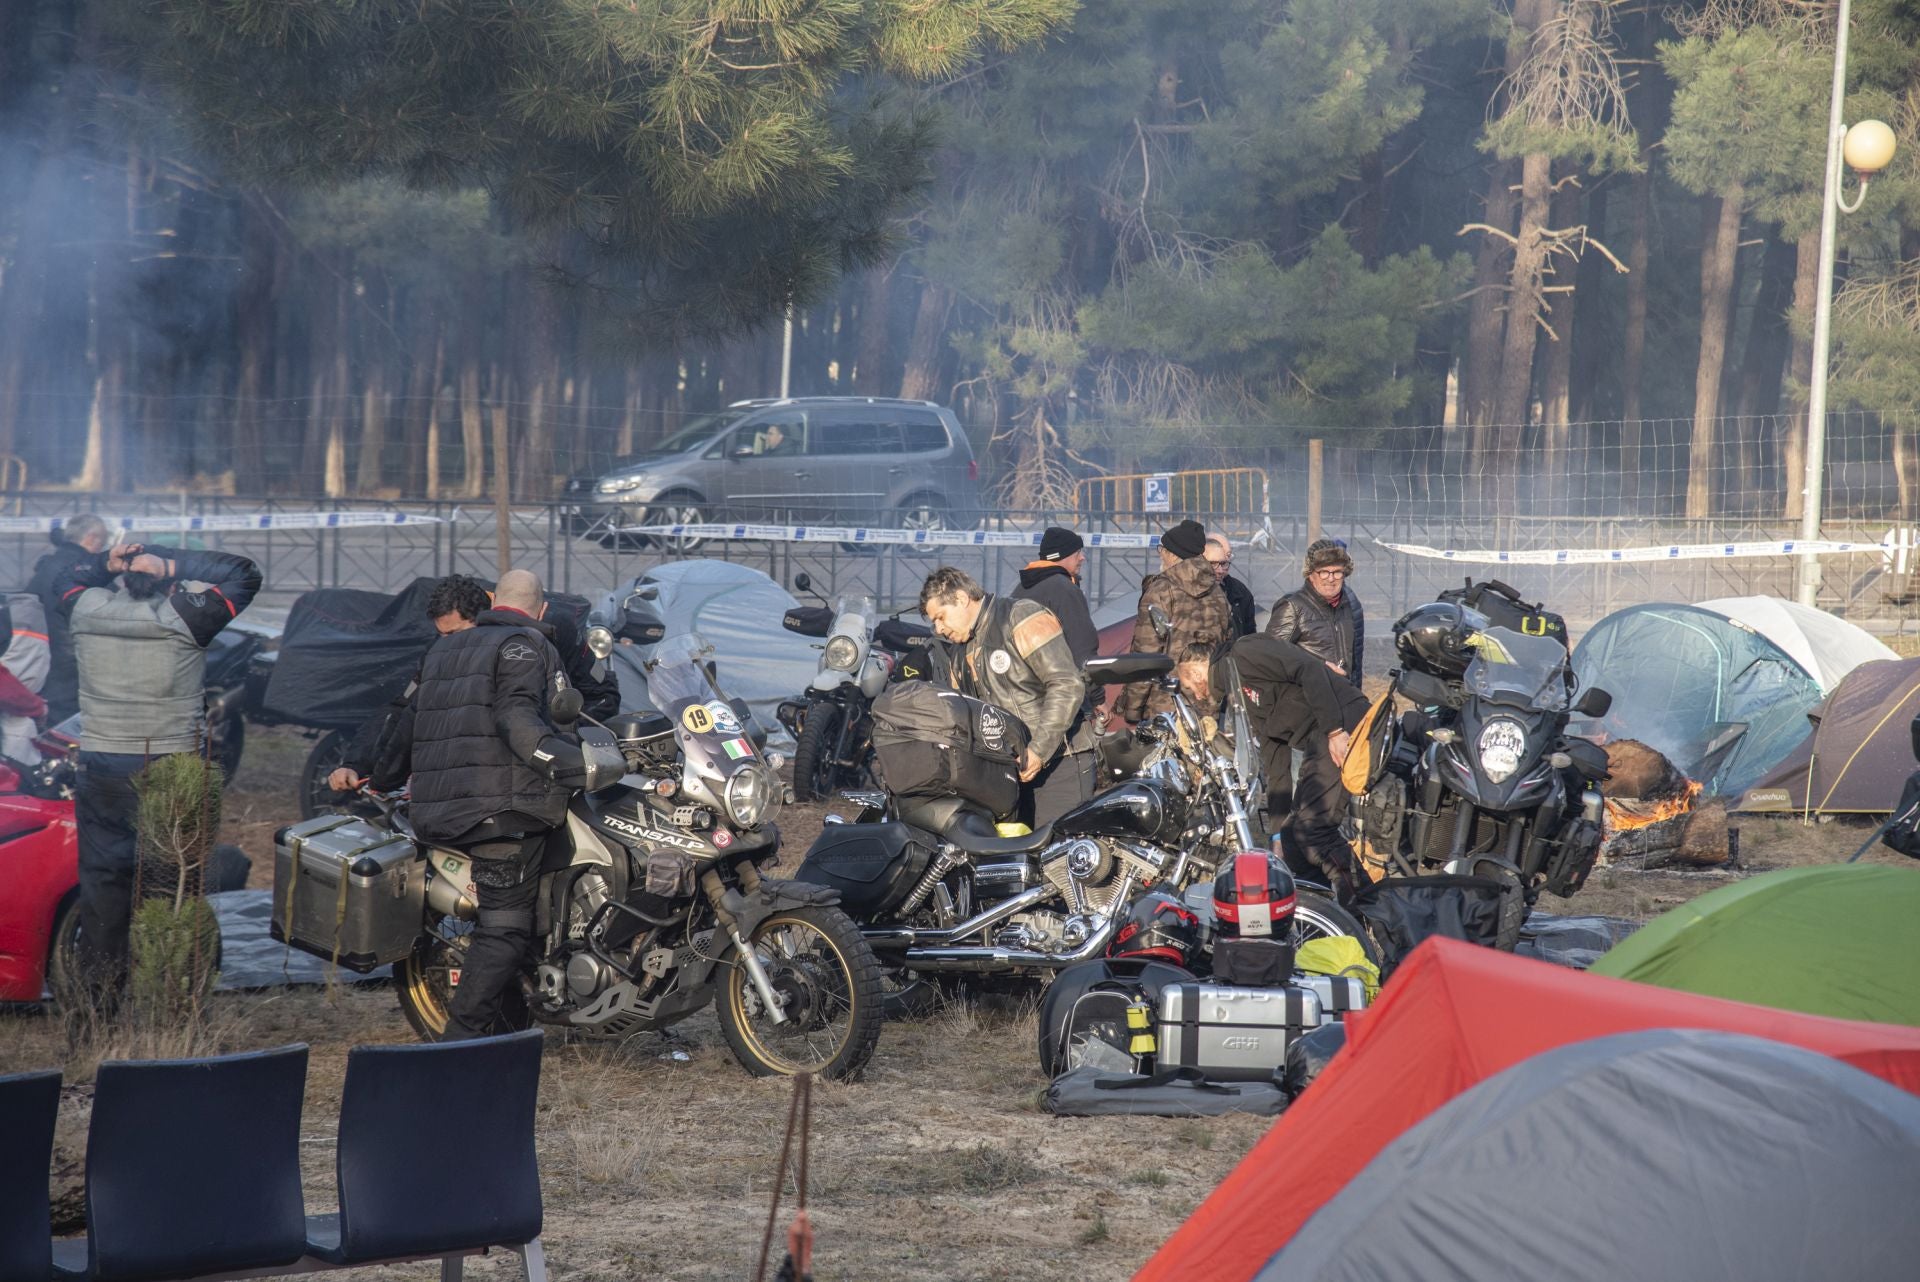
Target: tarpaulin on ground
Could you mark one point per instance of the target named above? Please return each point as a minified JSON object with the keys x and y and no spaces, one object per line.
{"x":738,"y":611}
{"x":1668,"y":1153}
{"x":1453,"y":1015}
{"x":1832,"y":940}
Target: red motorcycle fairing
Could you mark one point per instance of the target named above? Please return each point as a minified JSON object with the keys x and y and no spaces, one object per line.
{"x":39,"y":868}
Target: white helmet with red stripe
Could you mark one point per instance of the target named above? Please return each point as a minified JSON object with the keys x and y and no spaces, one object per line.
{"x":1253,"y":898}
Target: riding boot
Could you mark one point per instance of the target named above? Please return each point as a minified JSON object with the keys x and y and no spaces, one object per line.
{"x":506,"y":877}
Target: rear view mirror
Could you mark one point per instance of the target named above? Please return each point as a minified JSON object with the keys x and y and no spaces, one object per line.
{"x":803,"y":582}
{"x":1594,"y":703}
{"x":1162,"y":625}
{"x":565,"y":707}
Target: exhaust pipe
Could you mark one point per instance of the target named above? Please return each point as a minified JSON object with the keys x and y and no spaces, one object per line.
{"x":906,"y":938}
{"x":992,"y":959}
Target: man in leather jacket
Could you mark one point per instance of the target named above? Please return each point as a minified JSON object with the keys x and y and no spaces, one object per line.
{"x":1014,"y":654}
{"x":1323,"y":618}
{"x":489,"y":771}
{"x":75,"y":541}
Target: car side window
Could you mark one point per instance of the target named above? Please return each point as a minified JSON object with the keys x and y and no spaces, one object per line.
{"x":854,"y":436}
{"x":776,"y":436}
{"x":923,"y":433}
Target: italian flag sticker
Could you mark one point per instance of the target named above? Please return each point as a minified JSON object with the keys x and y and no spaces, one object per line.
{"x":738,"y":748}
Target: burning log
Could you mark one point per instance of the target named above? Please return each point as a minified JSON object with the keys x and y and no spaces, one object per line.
{"x":1651,"y":816}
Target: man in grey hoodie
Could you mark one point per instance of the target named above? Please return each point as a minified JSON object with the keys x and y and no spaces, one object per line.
{"x":142,"y":666}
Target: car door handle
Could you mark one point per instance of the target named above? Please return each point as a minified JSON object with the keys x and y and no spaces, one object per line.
{"x":895,"y":471}
{"x":800,"y":476}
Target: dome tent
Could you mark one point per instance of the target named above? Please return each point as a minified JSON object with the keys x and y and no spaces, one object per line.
{"x":1722,"y":689}
{"x":1654,"y":1154}
{"x":1453,"y":1015}
{"x":1837,"y":940}
{"x":1859,"y":753}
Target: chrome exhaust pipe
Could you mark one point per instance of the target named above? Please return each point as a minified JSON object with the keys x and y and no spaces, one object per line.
{"x":992,"y":959}
{"x":904,"y":937}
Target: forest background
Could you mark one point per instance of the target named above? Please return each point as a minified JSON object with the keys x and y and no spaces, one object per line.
{"x":1563,"y":251}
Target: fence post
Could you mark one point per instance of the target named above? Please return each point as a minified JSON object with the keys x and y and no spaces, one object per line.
{"x":1316,"y":487}
{"x":502,"y":516}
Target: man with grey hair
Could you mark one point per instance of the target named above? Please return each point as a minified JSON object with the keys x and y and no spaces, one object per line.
{"x":490,"y":773}
{"x":73,"y":541}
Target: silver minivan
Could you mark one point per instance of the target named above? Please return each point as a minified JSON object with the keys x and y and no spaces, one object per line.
{"x":805,"y":460}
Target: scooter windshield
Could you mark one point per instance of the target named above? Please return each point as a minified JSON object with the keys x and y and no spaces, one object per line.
{"x":1510,"y":667}
{"x":856,"y":603}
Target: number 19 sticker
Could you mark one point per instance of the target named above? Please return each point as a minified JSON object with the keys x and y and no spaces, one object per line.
{"x":697,"y":719}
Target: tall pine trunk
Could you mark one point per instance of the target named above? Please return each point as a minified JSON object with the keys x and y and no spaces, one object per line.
{"x":473,"y":441}
{"x":1562,"y":307}
{"x":871,"y":365}
{"x":1718,"y":259}
{"x":1516,"y":357}
{"x":926,"y":350}
{"x":1793,"y":429}
{"x":1480,"y":372}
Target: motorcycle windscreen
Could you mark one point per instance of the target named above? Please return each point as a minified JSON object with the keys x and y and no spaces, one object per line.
{"x":723,"y":769}
{"x":1512,"y":667}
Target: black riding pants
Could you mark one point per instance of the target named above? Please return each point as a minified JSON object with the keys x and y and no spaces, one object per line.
{"x":106,"y":812}
{"x":506,"y":877}
{"x":1311,"y":836}
{"x":1065,"y":783}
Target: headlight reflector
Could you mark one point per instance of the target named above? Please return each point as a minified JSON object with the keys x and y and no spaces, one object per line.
{"x":750,"y":797}
{"x":843,"y":654}
{"x":1502,"y":741}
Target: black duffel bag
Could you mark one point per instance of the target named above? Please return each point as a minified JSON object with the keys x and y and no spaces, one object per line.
{"x":1504,"y":609}
{"x":1401,"y":912}
{"x":931,"y":742}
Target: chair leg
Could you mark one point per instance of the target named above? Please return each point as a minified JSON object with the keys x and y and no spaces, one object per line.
{"x":450,"y":1268}
{"x":534,"y":1256}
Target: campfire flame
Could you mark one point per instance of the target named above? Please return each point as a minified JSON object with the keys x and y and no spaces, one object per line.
{"x":1624,"y":815}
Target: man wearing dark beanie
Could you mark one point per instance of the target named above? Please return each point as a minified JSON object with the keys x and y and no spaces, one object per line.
{"x":1053,"y":580}
{"x":1202,"y":620}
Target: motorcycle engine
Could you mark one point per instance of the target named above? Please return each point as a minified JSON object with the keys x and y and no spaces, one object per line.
{"x":582,"y":976}
{"x":1090,"y":873}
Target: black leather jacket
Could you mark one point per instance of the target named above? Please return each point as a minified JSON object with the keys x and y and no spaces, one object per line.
{"x":1334,"y":633}
{"x":1018,"y":658}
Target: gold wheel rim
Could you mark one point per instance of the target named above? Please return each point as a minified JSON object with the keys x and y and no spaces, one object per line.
{"x":738,"y":985}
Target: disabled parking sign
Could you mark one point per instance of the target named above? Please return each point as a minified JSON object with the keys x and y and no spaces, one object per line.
{"x":1157,"y":493}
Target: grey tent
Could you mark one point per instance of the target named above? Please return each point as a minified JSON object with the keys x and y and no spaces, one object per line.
{"x":1666,"y":1153}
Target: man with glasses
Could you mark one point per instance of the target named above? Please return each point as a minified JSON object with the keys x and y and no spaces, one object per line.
{"x":1219,"y":555}
{"x":1323,"y":618}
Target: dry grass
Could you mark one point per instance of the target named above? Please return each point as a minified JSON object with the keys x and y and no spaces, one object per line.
{"x":937,"y":1166}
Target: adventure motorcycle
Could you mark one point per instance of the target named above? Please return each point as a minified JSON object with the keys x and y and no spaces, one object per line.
{"x":833,"y":728}
{"x":1481,"y":778}
{"x":938,"y":891}
{"x":654,"y":903}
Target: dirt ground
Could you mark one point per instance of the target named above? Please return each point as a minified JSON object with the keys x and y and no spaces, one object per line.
{"x":938,"y":1165}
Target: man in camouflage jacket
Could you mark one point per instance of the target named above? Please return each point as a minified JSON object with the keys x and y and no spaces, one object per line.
{"x":1198,"y":610}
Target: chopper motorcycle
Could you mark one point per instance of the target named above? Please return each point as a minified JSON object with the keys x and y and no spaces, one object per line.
{"x":938,"y":892}
{"x":653,"y":904}
{"x":1480,"y":778}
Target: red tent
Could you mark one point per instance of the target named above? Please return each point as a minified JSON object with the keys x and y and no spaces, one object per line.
{"x":1453,"y":1015}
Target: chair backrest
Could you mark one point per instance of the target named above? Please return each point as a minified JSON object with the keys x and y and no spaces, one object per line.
{"x":193,"y":1165}
{"x":29,"y":1104}
{"x":471,"y":1104}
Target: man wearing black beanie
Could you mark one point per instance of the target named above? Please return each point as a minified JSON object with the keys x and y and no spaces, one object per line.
{"x":1198,"y":610}
{"x":1054,"y":581}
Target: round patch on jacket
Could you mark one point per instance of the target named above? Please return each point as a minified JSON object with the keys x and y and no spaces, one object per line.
{"x":1000,"y":661}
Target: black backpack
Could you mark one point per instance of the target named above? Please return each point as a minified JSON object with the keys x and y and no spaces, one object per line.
{"x":1504,"y":609}
{"x":930,"y":742}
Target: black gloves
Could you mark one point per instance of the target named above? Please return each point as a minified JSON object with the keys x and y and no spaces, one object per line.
{"x":559,"y":760}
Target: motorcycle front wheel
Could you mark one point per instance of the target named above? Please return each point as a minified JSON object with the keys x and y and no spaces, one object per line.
{"x":426,"y":977}
{"x":828,"y":984}
{"x":814,"y":769}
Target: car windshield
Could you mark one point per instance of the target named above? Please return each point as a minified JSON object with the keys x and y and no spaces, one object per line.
{"x":1509,"y":665}
{"x":697,"y":432}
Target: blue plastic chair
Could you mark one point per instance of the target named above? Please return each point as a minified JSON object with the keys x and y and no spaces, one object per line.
{"x":29,"y":1105}
{"x":193,"y":1168}
{"x":401,"y":1102}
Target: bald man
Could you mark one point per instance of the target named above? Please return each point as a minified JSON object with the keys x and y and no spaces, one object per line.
{"x":485,"y":761}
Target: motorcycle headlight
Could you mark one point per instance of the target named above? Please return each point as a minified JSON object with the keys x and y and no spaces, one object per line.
{"x":599,"y":642}
{"x":750,"y":797}
{"x":1502,"y":742}
{"x":843,"y":654}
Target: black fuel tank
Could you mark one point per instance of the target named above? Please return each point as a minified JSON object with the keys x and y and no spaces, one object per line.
{"x":1138,"y":808}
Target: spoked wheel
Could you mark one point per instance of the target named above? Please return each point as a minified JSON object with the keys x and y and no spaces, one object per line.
{"x":316,"y":796}
{"x":425,"y":980}
{"x":827,"y":983}
{"x":1317,"y":916}
{"x":905,"y":995}
{"x":676,"y":509}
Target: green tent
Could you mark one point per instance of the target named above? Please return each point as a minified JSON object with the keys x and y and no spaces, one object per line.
{"x":1836,"y":940}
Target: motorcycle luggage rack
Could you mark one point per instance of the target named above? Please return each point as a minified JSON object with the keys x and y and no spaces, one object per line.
{"x":596,"y":928}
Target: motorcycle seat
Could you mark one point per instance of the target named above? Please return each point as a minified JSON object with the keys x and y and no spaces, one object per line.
{"x":966,"y":826}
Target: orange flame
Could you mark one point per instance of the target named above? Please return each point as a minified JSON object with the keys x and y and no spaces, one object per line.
{"x":1623,"y":814}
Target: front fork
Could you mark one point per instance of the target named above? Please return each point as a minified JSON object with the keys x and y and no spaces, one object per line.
{"x":756,"y":973}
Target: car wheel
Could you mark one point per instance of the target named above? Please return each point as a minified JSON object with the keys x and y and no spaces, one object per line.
{"x":924,"y":512}
{"x":676,"y":509}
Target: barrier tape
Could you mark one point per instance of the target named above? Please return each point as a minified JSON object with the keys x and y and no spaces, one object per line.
{"x":1671,"y":552}
{"x":228,"y":521}
{"x":860,"y":534}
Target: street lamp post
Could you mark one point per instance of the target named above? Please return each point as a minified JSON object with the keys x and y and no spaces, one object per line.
{"x":1867,"y":148}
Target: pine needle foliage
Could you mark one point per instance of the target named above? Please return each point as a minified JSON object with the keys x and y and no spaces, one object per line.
{"x":701,"y":163}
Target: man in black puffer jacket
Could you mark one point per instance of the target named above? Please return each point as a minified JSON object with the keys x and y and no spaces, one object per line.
{"x":485,"y":758}
{"x":1054,"y":581}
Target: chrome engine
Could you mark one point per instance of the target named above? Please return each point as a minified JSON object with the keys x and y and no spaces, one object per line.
{"x":1092,"y":874}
